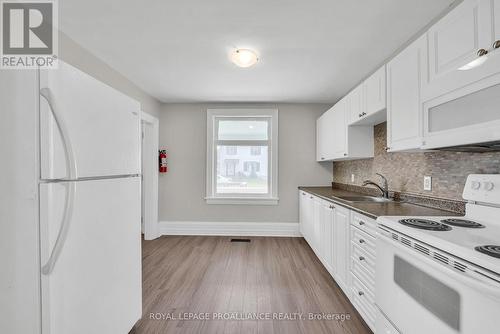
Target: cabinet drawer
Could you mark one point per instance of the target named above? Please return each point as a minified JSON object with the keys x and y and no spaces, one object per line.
{"x":363,"y":240}
{"x":364,"y":223}
{"x":363,"y":266}
{"x":364,"y":301}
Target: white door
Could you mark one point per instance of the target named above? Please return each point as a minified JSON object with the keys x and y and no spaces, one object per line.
{"x":317,"y":217}
{"x":322,"y":137}
{"x":326,"y":135}
{"x":342,"y":256}
{"x":328,"y":222}
{"x":101,"y":126}
{"x":496,"y":21}
{"x":355,"y":105}
{"x":374,"y":92}
{"x":339,"y":128}
{"x":308,"y":217}
{"x":302,"y":212}
{"x":404,"y":108}
{"x":95,"y":284}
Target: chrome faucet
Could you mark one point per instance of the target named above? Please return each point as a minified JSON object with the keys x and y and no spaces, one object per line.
{"x":384,"y":188}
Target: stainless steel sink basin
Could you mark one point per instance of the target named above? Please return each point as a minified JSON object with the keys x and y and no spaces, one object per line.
{"x":369,"y":199}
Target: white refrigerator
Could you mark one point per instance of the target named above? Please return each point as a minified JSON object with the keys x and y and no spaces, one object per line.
{"x":89,"y":205}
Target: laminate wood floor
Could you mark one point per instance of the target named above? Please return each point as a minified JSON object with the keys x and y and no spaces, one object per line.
{"x":187,"y":276}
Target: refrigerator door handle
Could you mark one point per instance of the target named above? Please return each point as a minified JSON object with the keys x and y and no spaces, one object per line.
{"x":63,"y":229}
{"x":70,"y":186}
{"x":61,"y":126}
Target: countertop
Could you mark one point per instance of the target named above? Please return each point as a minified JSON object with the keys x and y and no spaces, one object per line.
{"x":375,"y":210}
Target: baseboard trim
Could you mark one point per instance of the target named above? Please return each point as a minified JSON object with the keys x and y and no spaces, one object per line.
{"x":262,"y":229}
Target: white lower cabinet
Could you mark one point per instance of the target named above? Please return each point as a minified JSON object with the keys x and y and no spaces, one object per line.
{"x":344,"y":242}
{"x":341,"y":247}
{"x":363,"y":255}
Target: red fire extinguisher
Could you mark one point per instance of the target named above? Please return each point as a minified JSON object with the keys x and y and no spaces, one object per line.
{"x":162,"y":160}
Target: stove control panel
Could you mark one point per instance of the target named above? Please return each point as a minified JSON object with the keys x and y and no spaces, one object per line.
{"x":482,"y":188}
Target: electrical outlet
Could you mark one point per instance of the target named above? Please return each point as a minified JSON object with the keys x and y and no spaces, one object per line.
{"x":427,"y":183}
{"x":352,"y":178}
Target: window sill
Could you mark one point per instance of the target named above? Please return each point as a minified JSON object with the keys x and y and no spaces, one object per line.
{"x":242,"y":200}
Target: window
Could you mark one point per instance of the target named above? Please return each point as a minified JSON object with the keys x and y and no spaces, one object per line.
{"x":255,"y":150}
{"x":242,"y":156}
{"x":230,"y":167}
{"x":231,"y":150}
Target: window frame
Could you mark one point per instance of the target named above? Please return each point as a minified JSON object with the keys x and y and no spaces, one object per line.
{"x":213,"y":116}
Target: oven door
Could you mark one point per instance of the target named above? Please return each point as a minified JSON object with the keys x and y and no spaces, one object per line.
{"x":422,"y":295}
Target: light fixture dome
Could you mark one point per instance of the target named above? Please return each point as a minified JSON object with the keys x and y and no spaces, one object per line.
{"x":244,"y":57}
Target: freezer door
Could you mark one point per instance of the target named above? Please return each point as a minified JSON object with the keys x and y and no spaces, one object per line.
{"x":95,"y":284}
{"x":83,"y":117}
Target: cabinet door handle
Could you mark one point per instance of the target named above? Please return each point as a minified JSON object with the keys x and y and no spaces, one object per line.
{"x":481,"y":52}
{"x":361,"y":258}
{"x":332,"y":207}
{"x":360,"y":115}
{"x":322,"y":158}
{"x":496,"y":45}
{"x":361,"y":223}
{"x":361,"y":241}
{"x":361,"y":293}
{"x":311,"y":197}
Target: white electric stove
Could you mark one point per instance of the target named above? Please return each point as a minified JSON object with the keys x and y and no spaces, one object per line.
{"x":442,"y":274}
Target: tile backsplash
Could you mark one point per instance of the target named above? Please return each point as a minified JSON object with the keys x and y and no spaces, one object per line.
{"x":406,"y":171}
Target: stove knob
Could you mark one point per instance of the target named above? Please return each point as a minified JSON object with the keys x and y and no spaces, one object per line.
{"x":488,"y":186}
{"x":475,"y":185}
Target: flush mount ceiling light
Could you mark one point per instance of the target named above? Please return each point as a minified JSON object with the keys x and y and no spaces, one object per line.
{"x":244,"y":57}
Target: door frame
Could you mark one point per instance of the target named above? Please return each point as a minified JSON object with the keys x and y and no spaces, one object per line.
{"x":149,"y":172}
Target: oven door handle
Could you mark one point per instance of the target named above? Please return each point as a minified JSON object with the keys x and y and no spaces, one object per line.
{"x":476,"y":283}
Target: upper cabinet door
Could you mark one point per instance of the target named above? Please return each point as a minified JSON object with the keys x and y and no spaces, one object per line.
{"x":404,"y":125}
{"x":339,"y":129}
{"x":87,"y":128}
{"x":355,"y":104}
{"x":496,"y":18}
{"x":320,"y":132}
{"x":455,"y":41}
{"x":325,"y":135}
{"x":374,"y":92}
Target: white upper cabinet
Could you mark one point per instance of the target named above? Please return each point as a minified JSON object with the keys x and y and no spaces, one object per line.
{"x":374,"y":92}
{"x":329,"y":135}
{"x":339,"y":129}
{"x":366,"y":100}
{"x":404,"y":109}
{"x":458,"y":39}
{"x":460,"y":107}
{"x":496,"y":20}
{"x":337,"y":141}
{"x":355,"y":100}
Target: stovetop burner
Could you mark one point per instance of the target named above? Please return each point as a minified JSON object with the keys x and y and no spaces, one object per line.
{"x":490,"y":250}
{"x":425,"y":224}
{"x":462,"y":223}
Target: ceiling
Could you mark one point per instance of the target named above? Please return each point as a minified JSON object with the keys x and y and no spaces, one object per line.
{"x":309,"y":50}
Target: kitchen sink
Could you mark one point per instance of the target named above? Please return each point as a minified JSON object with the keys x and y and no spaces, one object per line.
{"x":369,"y":199}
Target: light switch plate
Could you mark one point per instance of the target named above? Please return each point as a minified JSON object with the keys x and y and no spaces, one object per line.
{"x":427,"y":183}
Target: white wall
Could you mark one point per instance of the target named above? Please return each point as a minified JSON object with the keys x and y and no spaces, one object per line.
{"x":182,"y":189}
{"x":74,"y":54}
